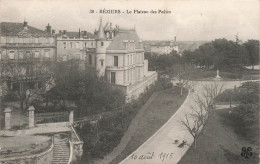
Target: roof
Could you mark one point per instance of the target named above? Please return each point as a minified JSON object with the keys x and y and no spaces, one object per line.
{"x":164,"y":43}
{"x":101,"y":33}
{"x":183,"y":45}
{"x":122,"y":35}
{"x":72,"y":34}
{"x":11,"y":28}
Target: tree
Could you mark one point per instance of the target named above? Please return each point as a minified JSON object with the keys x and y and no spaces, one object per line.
{"x":202,"y":111}
{"x":182,"y":73}
{"x":252,"y":51}
{"x":24,"y":73}
{"x":193,"y":125}
{"x":84,"y":89}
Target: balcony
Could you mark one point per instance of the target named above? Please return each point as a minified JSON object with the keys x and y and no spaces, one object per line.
{"x":115,"y":68}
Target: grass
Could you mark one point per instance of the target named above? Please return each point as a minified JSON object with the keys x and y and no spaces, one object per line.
{"x":220,"y":145}
{"x":163,"y":106}
{"x":23,"y":145}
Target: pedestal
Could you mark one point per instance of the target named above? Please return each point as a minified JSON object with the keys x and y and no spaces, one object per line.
{"x":31,"y":116}
{"x":7,"y":118}
{"x":71,"y":117}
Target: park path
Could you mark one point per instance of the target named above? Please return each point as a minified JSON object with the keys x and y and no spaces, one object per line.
{"x":160,"y":148}
{"x":129,"y":133}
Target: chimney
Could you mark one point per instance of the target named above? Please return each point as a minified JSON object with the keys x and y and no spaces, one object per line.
{"x":64,"y":31}
{"x":60,"y":31}
{"x":175,"y":38}
{"x":85,"y":33}
{"x":53,"y":31}
{"x":25,"y":25}
{"x":79,"y":32}
{"x":48,"y":28}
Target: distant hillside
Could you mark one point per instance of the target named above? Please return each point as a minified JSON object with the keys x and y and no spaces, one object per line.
{"x":183,"y":45}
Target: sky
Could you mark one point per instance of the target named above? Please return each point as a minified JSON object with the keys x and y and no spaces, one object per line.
{"x":189,"y":20}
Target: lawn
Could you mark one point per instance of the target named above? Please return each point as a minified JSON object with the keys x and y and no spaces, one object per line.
{"x":220,"y":145}
{"x":155,"y":114}
{"x":19,"y":146}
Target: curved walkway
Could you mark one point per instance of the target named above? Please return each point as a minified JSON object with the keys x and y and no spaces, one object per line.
{"x":160,"y":147}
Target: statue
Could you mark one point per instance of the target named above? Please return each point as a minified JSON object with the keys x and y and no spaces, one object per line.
{"x":218,"y":77}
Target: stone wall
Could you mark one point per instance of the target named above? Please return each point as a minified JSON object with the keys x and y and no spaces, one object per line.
{"x":76,"y":147}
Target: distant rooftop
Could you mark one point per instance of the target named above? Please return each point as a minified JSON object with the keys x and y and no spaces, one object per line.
{"x":71,"y":34}
{"x":122,"y":35}
{"x":13,"y":28}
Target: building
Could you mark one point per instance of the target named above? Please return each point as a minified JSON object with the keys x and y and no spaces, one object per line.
{"x":26,"y":54}
{"x":71,"y":44}
{"x":119,"y":58}
{"x":164,"y":47}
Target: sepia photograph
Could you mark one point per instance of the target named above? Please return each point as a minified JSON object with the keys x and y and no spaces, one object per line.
{"x":129,"y":81}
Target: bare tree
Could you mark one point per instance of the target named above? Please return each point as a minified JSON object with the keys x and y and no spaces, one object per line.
{"x":24,"y":72}
{"x":193,"y":125}
{"x":202,"y":111}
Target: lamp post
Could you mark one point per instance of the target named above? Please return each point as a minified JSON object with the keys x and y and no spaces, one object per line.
{"x":230,"y":99}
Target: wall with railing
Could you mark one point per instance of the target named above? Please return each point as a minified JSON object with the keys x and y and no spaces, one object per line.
{"x":76,"y":147}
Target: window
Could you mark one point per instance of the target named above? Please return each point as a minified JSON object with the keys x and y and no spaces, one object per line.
{"x":11,"y":54}
{"x":0,"y":56}
{"x":64,"y":45}
{"x":101,"y":63}
{"x":20,"y":55}
{"x":102,"y":43}
{"x":64,"y":58}
{"x":28,"y":70}
{"x":37,"y":54}
{"x":78,"y":56}
{"x":71,"y":44}
{"x":116,"y":61}
{"x":85,"y":44}
{"x":92,"y":44}
{"x":47,"y":54}
{"x":90,"y":59}
{"x":28,"y":54}
{"x":11,"y":40}
{"x":77,"y":44}
{"x":113,"y":77}
{"x":36,"y":40}
{"x":20,"y":40}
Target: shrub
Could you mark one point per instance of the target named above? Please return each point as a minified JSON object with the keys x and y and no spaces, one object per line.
{"x":11,"y":97}
{"x":245,"y":120}
{"x":111,"y":128}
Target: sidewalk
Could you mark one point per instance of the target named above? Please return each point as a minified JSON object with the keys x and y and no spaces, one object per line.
{"x":160,"y":148}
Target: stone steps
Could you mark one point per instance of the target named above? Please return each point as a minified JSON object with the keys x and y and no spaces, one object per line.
{"x":61,"y":150}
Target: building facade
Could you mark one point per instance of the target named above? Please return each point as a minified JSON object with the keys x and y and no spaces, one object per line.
{"x":71,"y":44}
{"x":119,"y":58}
{"x":164,"y":47}
{"x":26,"y":54}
